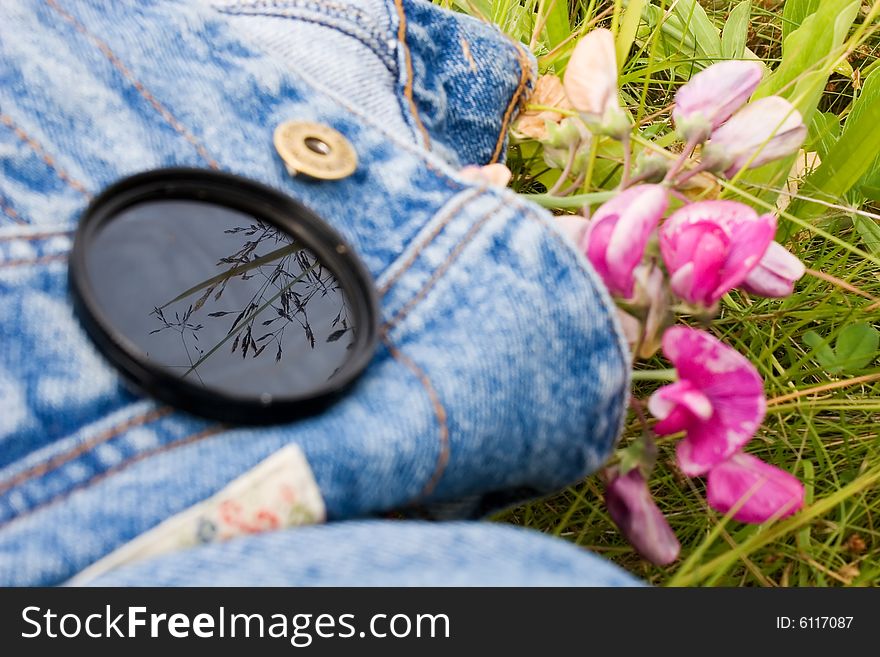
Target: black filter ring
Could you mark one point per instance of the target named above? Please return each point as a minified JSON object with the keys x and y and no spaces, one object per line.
{"x":260,"y":201}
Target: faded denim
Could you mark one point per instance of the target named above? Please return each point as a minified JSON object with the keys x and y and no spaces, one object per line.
{"x":502,"y":373}
{"x":380,"y":553}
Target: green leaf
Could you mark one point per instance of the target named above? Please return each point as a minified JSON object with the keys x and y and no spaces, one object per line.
{"x":694,"y":20}
{"x":823,"y":352}
{"x":736,"y":29}
{"x":794,"y":13}
{"x":869,"y":230}
{"x":557,"y":24}
{"x":629,"y":25}
{"x":823,"y":134}
{"x":856,"y":346}
{"x":853,"y":156}
{"x":808,"y":55}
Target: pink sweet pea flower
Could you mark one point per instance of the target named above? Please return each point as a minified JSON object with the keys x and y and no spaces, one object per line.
{"x":709,"y":248}
{"x":633,"y":510}
{"x":712,"y":96}
{"x":763,"y":131}
{"x":776,"y":274}
{"x":765,"y":491}
{"x":718,"y":399}
{"x":616,"y":238}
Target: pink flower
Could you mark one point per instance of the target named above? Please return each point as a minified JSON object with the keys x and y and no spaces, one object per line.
{"x":490,"y":174}
{"x":765,"y":491}
{"x":776,"y":274}
{"x":711,"y":246}
{"x":763,"y":131}
{"x":616,"y":238}
{"x":590,"y":82}
{"x":712,"y":96}
{"x":633,"y":510}
{"x":591,"y":75}
{"x":718,"y":399}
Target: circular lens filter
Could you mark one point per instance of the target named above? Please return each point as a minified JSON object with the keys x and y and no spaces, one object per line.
{"x":222,"y":296}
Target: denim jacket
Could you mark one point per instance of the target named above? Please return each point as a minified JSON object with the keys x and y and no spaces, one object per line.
{"x":501,"y":373}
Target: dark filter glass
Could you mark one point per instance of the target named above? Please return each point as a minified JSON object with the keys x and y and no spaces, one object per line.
{"x":220,"y":298}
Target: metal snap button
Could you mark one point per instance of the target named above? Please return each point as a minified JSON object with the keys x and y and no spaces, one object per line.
{"x":315,"y":150}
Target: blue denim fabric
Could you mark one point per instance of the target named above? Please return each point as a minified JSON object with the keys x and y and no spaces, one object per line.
{"x":377,"y":553}
{"x":502,"y":372}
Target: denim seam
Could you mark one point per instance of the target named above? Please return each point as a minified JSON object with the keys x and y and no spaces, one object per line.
{"x":42,"y":260}
{"x":316,"y":21}
{"x":45,"y":235}
{"x":138,"y":85}
{"x":341,"y":11}
{"x":439,"y":413}
{"x":451,"y":213}
{"x":83,"y":448}
{"x":50,"y":161}
{"x":524,"y":79}
{"x":443,"y":267}
{"x":408,"y":72}
{"x":468,"y":55}
{"x":10,"y":212}
{"x":192,"y":438}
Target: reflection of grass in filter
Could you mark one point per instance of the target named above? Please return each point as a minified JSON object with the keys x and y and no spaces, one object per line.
{"x":822,"y":427}
{"x":247,"y":320}
{"x":235,"y":271}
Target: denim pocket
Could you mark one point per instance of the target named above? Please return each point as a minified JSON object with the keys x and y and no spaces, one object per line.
{"x":450,"y":82}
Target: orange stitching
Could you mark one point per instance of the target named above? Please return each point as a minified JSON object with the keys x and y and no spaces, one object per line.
{"x":207,"y":433}
{"x":466,"y":50}
{"x":48,"y":159}
{"x":438,"y":273}
{"x":429,"y":239}
{"x":408,"y":87}
{"x":525,"y":76}
{"x":439,"y":412}
{"x":59,"y":460}
{"x":142,"y":90}
{"x":54,"y":257}
{"x":36,"y":236}
{"x":10,"y":212}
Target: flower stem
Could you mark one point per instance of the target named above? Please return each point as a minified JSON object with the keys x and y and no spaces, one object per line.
{"x":563,"y":177}
{"x":627,"y":162}
{"x":655,"y":375}
{"x":569,"y":202}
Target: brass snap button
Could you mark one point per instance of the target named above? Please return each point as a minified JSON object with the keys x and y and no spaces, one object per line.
{"x":315,"y":150}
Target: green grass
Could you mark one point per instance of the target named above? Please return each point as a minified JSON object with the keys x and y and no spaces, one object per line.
{"x":823,"y":427}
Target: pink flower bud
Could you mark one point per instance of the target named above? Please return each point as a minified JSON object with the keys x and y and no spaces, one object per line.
{"x":490,"y":174}
{"x":590,"y":83}
{"x":709,"y":248}
{"x":712,"y":96}
{"x":633,"y":510}
{"x":718,"y":399}
{"x":591,"y":76}
{"x":616,"y":238}
{"x":763,"y":131}
{"x":776,"y":274}
{"x":763,"y":490}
